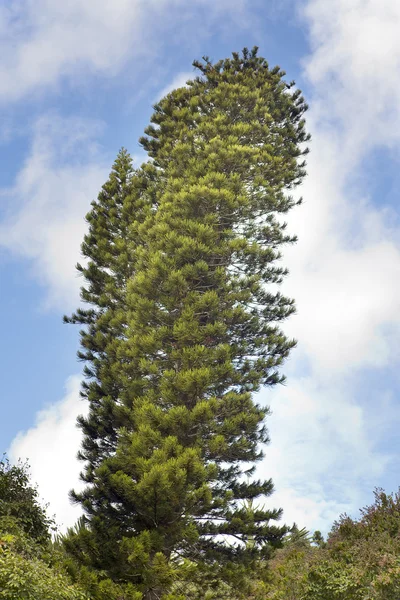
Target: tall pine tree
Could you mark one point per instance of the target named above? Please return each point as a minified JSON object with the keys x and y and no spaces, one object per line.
{"x":200,"y":331}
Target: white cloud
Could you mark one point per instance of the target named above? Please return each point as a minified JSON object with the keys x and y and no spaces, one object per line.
{"x":43,"y":41}
{"x":356,"y":60}
{"x":322,"y":459}
{"x":345,"y":270}
{"x":51,"y":446}
{"x":347,"y":263}
{"x":177,"y":82}
{"x":344,"y":274}
{"x":51,"y":195}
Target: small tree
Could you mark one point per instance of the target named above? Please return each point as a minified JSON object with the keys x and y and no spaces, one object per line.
{"x":19,"y":502}
{"x":28,"y":567}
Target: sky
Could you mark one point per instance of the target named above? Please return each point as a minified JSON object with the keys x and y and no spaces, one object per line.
{"x":77,"y":82}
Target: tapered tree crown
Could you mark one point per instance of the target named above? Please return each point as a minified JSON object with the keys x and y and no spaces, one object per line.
{"x":183,"y":262}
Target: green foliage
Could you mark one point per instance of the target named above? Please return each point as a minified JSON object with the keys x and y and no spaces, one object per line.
{"x":109,"y":247}
{"x":19,"y":501}
{"x":184,"y":327}
{"x":286,"y":575}
{"x":25,"y":575}
{"x":232,"y":582}
{"x":359,"y":562}
{"x":29,"y":568}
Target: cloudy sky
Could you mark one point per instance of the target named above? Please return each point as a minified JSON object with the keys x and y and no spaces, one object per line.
{"x":77,"y":81}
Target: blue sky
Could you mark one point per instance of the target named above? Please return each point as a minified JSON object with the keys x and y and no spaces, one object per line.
{"x":77,"y":81}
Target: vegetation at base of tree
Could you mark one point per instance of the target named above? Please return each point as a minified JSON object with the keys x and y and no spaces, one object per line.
{"x":30,"y":567}
{"x":19,"y":501}
{"x":183,"y":327}
{"x":360,"y":560}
